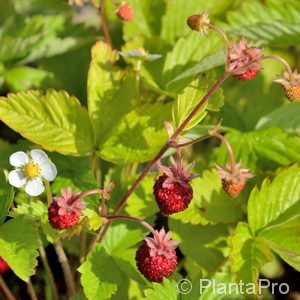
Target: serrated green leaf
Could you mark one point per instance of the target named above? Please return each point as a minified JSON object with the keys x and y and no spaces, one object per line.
{"x":274,"y":22}
{"x":46,"y":119}
{"x":248,"y":255}
{"x":94,"y":221}
{"x":147,"y":19}
{"x":284,"y":239}
{"x":35,"y":209}
{"x":205,"y":241}
{"x":6,"y":196}
{"x":166,"y":290}
{"x":259,"y":150}
{"x":185,"y":54}
{"x":210,"y":204}
{"x":103,"y":271}
{"x":141,"y":203}
{"x":106,"y":90}
{"x":174,"y":21}
{"x":286,"y":117}
{"x":190,"y":97}
{"x":273,"y":200}
{"x":18,"y":246}
{"x":138,"y":136}
{"x":24,"y":78}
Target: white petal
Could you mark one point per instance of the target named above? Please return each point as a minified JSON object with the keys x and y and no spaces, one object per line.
{"x":16,"y":178}
{"x":48,"y":171}
{"x":39,"y":156}
{"x":18,"y":159}
{"x":34,"y":187}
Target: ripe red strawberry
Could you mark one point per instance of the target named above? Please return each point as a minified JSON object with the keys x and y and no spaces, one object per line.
{"x":64,"y":212}
{"x":247,"y":75}
{"x":291,"y":85}
{"x":233,"y":181}
{"x":3,"y":266}
{"x":125,"y":12}
{"x":242,"y":60}
{"x":172,"y":190}
{"x":156,"y":257}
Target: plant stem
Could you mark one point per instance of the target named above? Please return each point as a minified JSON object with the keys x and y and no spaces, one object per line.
{"x":220,"y":31}
{"x":82,"y":247}
{"x":48,"y":271}
{"x":104,"y":22}
{"x":122,"y":202}
{"x":142,"y":222}
{"x":283,"y":61}
{"x":31,"y":291}
{"x":197,"y":140}
{"x":228,"y":146}
{"x":7,"y":292}
{"x":137,"y":77}
{"x":48,"y":192}
{"x":66,"y":267}
{"x":96,"y":169}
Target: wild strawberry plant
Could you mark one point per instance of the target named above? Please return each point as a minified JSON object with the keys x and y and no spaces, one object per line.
{"x":180,"y":160}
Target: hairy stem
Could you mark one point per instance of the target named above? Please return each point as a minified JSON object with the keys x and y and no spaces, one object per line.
{"x":104,"y":22}
{"x":48,"y":271}
{"x":283,"y":61}
{"x":31,"y":291}
{"x":48,"y":192}
{"x":7,"y":292}
{"x":142,"y":222}
{"x":220,"y":31}
{"x":197,"y":140}
{"x":122,"y":202}
{"x":66,"y":267}
{"x":228,"y":146}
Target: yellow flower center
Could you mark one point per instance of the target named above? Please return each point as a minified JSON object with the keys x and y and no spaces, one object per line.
{"x":31,"y":170}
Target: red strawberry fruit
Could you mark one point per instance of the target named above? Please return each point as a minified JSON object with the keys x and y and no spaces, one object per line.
{"x":3,"y":266}
{"x":172,"y":190}
{"x":125,"y":12}
{"x":156,"y":257}
{"x":242,"y":60}
{"x":64,"y":212}
{"x":247,"y":75}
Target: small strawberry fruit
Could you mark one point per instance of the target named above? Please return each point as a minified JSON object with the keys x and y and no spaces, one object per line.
{"x":156,"y":257}
{"x":197,"y":22}
{"x":247,"y":75}
{"x":3,"y":266}
{"x":172,"y":190}
{"x":125,"y":12}
{"x":291,"y":85}
{"x":64,"y":212}
{"x":233,"y":181}
{"x":242,"y":60}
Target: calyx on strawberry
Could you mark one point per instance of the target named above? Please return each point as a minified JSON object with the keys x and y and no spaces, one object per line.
{"x":290,"y":84}
{"x":233,"y":181}
{"x":156,"y":258}
{"x":125,"y":12}
{"x":197,"y":22}
{"x":64,"y":211}
{"x":172,"y":190}
{"x":242,"y":60}
{"x":3,"y":266}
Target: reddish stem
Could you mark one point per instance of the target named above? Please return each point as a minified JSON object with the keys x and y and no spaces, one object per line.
{"x":142,"y":222}
{"x":104,"y":22}
{"x":228,"y":146}
{"x":122,"y":202}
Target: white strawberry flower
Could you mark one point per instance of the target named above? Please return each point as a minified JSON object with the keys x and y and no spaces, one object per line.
{"x":30,"y":170}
